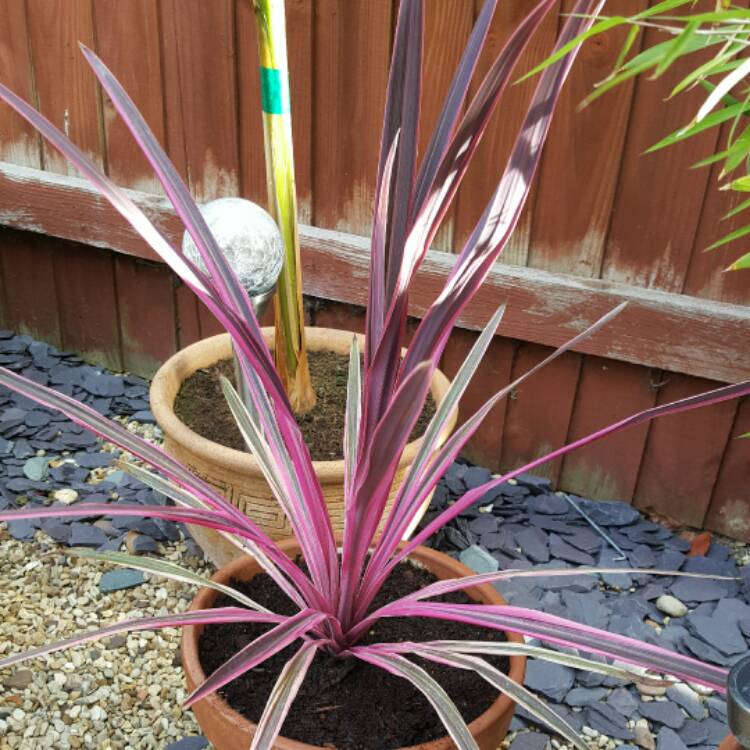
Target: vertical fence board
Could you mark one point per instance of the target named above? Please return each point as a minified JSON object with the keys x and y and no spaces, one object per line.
{"x":186,"y":314}
{"x":659,"y":197}
{"x":607,"y":392}
{"x":581,"y":161}
{"x":705,"y":275}
{"x":65,"y":85}
{"x":539,"y":411}
{"x":492,"y":155}
{"x":147,"y":314}
{"x":127,"y":39}
{"x":200,"y":89}
{"x":208,"y":324}
{"x":252,"y":158}
{"x":350,"y":68}
{"x":485,"y":446}
{"x":729,"y":512}
{"x":448,"y":24}
{"x":19,"y":142}
{"x":88,"y":303}
{"x":683,"y":454}
{"x":30,"y":290}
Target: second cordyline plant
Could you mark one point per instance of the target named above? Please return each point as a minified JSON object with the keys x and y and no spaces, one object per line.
{"x":385,"y":396}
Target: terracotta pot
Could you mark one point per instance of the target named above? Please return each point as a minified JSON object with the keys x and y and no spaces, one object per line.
{"x":730,"y":742}
{"x":229,"y":730}
{"x":235,"y":473}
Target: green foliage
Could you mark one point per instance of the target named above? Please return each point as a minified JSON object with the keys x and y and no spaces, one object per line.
{"x":725,"y":33}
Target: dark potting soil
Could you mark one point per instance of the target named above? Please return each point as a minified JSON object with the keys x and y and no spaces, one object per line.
{"x":201,"y":405}
{"x":345,"y":703}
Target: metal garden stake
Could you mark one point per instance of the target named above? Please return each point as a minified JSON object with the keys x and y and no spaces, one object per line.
{"x":252,"y":243}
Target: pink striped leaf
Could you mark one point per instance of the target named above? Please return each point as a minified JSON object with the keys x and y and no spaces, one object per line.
{"x":305,"y":510}
{"x":165,"y":569}
{"x":715,"y":396}
{"x":397,"y":164}
{"x":228,"y":288}
{"x":572,"y":634}
{"x":502,"y":213}
{"x":244,"y":546}
{"x":438,"y":698}
{"x":257,"y":651}
{"x":214,"y":616}
{"x":422,"y":479}
{"x":509,"y":648}
{"x":282,"y":696}
{"x":374,"y":477}
{"x":523,"y":697}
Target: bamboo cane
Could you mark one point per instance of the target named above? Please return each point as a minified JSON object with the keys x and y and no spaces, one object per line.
{"x":290,"y":354}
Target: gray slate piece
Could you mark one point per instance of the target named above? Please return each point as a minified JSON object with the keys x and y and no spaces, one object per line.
{"x":583,"y":696}
{"x":479,"y":560}
{"x":188,"y":743}
{"x":530,"y":741}
{"x":37,"y":468}
{"x":533,"y":544}
{"x":549,"y":505}
{"x":84,"y":535}
{"x":662,"y":712}
{"x":563,"y":551}
{"x":612,"y":513}
{"x":684,"y":696}
{"x":119,"y":579}
{"x":552,"y":680}
{"x":622,"y":700}
{"x":668,"y":739}
{"x":693,"y":732}
{"x":23,"y":529}
{"x":606,"y":720}
{"x":719,"y":632}
{"x":695,"y":590}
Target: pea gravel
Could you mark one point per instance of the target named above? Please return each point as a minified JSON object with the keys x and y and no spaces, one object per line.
{"x":123,"y":693}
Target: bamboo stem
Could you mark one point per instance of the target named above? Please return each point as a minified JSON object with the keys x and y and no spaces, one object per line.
{"x":290,"y":354}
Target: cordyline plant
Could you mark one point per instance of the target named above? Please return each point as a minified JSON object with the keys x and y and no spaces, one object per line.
{"x":334,"y":594}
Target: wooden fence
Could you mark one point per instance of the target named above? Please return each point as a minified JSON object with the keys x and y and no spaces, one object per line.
{"x":604,"y":223}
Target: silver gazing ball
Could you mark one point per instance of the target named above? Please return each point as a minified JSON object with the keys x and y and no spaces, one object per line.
{"x":249,"y":239}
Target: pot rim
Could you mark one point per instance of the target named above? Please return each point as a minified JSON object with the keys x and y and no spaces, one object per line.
{"x":205,"y":598}
{"x":182,"y":364}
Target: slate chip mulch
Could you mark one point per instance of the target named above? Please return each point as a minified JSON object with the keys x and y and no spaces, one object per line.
{"x":549,"y":533}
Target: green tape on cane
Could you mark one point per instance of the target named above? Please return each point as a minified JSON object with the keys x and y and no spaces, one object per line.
{"x":273,"y":93}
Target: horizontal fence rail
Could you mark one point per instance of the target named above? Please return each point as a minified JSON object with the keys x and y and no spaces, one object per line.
{"x":658,"y":329}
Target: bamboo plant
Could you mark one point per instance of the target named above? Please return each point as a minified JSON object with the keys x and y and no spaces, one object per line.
{"x":290,"y":355}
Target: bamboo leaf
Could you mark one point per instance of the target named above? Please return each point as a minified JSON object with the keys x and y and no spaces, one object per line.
{"x":677,"y":48}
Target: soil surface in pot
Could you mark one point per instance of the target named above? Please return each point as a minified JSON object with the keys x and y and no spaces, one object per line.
{"x":201,"y":405}
{"x":345,"y":703}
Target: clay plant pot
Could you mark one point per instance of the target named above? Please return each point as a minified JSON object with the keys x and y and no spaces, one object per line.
{"x":235,"y":473}
{"x":730,"y":742}
{"x":229,"y":730}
